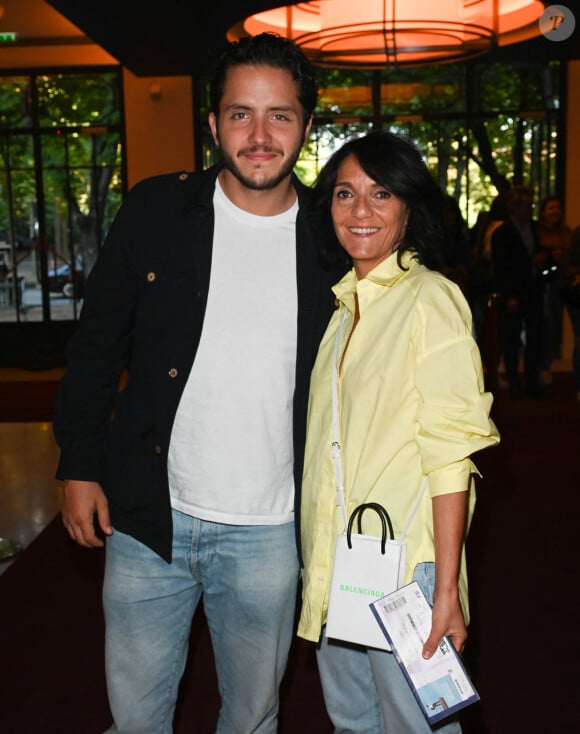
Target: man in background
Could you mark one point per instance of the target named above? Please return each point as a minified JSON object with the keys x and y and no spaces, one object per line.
{"x":518,"y":262}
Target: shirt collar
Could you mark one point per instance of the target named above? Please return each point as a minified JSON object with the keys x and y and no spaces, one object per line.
{"x":386,"y":273}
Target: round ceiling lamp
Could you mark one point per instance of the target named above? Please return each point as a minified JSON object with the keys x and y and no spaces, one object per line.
{"x":374,"y":34}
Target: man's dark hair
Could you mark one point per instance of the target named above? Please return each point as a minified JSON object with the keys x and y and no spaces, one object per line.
{"x":517,"y":194}
{"x":397,"y":165}
{"x":268,"y":49}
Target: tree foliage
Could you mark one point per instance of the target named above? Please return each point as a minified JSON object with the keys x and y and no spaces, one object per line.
{"x":481,"y":126}
{"x":60,"y":144}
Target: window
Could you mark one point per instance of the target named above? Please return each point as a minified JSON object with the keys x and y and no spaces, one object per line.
{"x":482,"y":125}
{"x":60,"y":186}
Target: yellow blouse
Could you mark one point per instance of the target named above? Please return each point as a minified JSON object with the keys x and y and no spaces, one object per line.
{"x":412,"y":404}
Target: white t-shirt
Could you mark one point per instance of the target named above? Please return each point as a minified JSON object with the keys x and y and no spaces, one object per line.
{"x":231,"y":452}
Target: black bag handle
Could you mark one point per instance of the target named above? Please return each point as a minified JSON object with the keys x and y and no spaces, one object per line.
{"x":357,"y":513}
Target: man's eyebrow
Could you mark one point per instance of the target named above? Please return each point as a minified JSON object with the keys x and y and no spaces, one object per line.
{"x":273,"y":108}
{"x":237,"y":106}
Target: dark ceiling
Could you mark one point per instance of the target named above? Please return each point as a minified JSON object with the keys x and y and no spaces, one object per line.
{"x":170,"y":37}
{"x":160,"y":38}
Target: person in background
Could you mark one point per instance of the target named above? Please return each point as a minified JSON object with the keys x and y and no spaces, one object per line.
{"x":3,"y":268}
{"x":498,"y":214}
{"x":481,"y":284}
{"x":518,"y":262}
{"x":553,"y":235}
{"x":570,"y":294}
{"x":412,"y":405}
{"x":209,"y":294}
{"x":456,"y":255}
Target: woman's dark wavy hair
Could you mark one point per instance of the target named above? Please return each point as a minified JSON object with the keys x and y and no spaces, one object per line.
{"x":268,"y":49}
{"x":397,"y":165}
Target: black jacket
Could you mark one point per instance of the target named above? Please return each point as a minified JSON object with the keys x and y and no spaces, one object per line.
{"x":516,"y":274}
{"x":141,"y":321}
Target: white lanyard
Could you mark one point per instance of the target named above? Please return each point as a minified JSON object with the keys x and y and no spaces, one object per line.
{"x":336,"y":448}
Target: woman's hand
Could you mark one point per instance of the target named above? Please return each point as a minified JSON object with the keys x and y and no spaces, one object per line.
{"x":447,"y":620}
{"x":449,"y":516}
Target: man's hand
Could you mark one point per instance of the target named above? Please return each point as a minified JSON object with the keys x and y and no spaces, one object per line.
{"x":82,"y":501}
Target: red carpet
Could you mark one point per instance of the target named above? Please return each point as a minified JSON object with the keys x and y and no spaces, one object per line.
{"x":524,"y":557}
{"x":524,"y":565}
{"x":51,"y":639}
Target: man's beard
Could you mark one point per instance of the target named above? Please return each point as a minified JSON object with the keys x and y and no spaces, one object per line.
{"x":265,"y":184}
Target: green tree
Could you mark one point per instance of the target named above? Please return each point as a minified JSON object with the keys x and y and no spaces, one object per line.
{"x":60,"y":143}
{"x":81,"y":116}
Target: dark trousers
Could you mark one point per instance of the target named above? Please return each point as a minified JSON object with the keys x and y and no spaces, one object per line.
{"x":522,"y":329}
{"x":575,"y":318}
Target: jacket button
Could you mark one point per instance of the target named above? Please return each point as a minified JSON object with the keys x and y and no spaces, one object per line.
{"x":158,"y":450}
{"x":183,"y":176}
{"x":151,"y":277}
{"x":173,"y":372}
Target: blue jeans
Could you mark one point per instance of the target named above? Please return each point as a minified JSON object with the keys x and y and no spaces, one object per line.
{"x":365,"y":691}
{"x":248,"y":577}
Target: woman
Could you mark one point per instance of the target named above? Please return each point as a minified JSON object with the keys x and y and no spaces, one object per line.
{"x":412,"y":404}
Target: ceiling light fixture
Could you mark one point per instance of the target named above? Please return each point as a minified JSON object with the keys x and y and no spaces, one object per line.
{"x":374,"y":34}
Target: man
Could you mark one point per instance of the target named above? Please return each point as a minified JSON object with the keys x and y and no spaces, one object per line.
{"x":518,"y":261}
{"x":209,"y":293}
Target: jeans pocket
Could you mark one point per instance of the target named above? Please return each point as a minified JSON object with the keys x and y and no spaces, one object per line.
{"x":424,"y":575}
